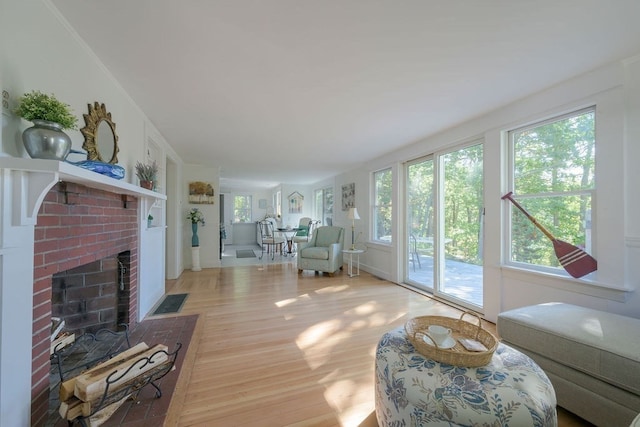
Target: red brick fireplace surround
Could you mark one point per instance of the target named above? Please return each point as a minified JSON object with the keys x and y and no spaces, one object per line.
{"x":76,"y":225}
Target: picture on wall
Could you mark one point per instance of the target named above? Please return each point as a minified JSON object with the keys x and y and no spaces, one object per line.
{"x":348,"y":196}
{"x":295,"y":202}
{"x":201,"y":193}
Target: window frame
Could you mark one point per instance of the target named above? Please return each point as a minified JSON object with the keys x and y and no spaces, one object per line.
{"x":375,"y":206}
{"x":321,"y":207}
{"x":512,"y":185}
{"x":249,"y":210}
{"x":277,"y":203}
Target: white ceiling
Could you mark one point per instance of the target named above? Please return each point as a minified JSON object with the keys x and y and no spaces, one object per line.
{"x":295,"y":91}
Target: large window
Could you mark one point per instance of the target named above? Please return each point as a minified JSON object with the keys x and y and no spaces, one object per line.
{"x":242,"y":209}
{"x":277,"y":203}
{"x":552,"y":177}
{"x":382,"y":208}
{"x":324,"y":205}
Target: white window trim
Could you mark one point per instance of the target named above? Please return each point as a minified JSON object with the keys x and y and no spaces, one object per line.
{"x":372,"y":230}
{"x":611,"y":280}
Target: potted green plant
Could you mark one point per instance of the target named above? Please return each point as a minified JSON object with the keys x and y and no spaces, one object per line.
{"x":147,"y":173}
{"x":149,"y":220}
{"x":46,"y":139}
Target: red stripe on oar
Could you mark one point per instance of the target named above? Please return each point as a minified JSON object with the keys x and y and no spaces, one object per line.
{"x":574,"y":260}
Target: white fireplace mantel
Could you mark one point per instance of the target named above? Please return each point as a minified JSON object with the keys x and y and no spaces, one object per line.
{"x":33,"y":178}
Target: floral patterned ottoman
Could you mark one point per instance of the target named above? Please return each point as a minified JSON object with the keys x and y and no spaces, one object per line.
{"x":412,"y":390}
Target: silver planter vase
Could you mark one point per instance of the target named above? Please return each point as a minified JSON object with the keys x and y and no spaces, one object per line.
{"x":46,"y":140}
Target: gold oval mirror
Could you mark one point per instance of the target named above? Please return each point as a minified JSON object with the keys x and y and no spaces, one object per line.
{"x":100,"y":138}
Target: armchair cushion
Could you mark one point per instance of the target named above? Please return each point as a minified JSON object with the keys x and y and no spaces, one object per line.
{"x":303,"y":231}
{"x":315,"y":252}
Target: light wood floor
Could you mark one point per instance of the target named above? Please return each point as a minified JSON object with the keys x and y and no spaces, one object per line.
{"x":274,"y":348}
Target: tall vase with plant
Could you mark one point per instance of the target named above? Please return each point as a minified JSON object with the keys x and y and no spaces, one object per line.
{"x":196,"y":217}
{"x":147,"y":174}
{"x":46,"y":139}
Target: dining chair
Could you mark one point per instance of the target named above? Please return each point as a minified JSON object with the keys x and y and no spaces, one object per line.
{"x":306,"y":228}
{"x":269,"y":240}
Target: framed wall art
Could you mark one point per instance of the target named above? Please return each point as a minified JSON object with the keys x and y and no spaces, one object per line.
{"x":295,"y":202}
{"x":348,"y":196}
{"x":201,"y":193}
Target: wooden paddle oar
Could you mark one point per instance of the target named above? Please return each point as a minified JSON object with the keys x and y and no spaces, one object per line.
{"x":574,"y":260}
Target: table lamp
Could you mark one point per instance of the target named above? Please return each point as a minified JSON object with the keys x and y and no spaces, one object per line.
{"x":353,"y":215}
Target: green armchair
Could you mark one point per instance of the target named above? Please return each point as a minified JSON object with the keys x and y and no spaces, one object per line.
{"x":323,"y":252}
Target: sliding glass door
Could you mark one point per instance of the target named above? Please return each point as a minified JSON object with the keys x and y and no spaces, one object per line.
{"x":420,"y":223}
{"x":444,"y":225}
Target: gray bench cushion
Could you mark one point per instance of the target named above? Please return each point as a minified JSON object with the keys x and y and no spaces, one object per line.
{"x":601,"y":344}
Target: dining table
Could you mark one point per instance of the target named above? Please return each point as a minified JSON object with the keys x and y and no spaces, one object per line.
{"x":288,"y":234}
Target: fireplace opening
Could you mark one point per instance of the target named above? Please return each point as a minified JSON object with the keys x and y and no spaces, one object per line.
{"x":85,"y":300}
{"x":93,"y":296}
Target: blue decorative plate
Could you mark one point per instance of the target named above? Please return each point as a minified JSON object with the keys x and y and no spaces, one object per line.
{"x":113,"y":171}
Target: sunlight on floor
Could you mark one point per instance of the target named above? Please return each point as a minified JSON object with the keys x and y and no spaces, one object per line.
{"x":340,"y":395}
{"x":286,"y":302}
{"x":332,"y":289}
{"x":363,"y":309}
{"x":318,"y":333}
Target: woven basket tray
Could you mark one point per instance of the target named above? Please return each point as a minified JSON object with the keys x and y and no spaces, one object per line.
{"x":417,"y":329}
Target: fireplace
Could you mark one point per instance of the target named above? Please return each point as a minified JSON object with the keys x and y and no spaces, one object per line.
{"x":57,"y":217}
{"x":85,"y":260}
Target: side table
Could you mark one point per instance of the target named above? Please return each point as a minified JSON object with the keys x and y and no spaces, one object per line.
{"x":351,"y":253}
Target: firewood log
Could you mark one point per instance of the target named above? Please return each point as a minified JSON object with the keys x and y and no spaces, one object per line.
{"x":105,"y":413}
{"x":134,"y":385}
{"x":91,"y":385}
{"x":67,"y":388}
{"x":71,"y":408}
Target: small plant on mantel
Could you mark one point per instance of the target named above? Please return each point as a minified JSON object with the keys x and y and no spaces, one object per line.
{"x":146,"y":173}
{"x":36,"y":105}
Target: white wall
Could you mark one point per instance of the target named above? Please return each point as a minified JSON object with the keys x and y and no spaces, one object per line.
{"x":615,"y":89}
{"x":40,"y":52}
{"x":62,"y":64}
{"x":209,"y":235}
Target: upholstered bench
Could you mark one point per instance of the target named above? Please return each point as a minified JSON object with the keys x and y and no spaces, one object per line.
{"x":412,"y":390}
{"x":591,"y":357}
